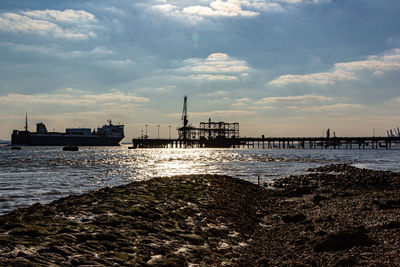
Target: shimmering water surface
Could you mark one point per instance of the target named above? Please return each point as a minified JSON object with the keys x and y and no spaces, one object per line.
{"x":43,"y":174}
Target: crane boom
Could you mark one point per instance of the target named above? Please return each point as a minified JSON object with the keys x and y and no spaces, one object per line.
{"x":26,"y":121}
{"x":184,"y":112}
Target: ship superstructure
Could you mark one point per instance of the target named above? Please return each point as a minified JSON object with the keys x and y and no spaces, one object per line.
{"x":107,"y":135}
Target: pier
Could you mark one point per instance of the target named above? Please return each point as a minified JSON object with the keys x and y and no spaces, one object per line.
{"x":274,"y":143}
{"x":221,"y":134}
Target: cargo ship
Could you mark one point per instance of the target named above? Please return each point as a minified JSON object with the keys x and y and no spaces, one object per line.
{"x":107,"y":135}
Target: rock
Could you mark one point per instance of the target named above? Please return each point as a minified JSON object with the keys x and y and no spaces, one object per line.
{"x":33,"y":231}
{"x":294,"y":218}
{"x":193,"y":239}
{"x":346,"y":262}
{"x":343,"y":240}
{"x":63,"y":251}
{"x":318,"y":198}
{"x":391,"y":225}
{"x":174,"y":219}
{"x":21,"y":262}
{"x":300,"y":191}
{"x":388,"y":204}
{"x":309,"y":228}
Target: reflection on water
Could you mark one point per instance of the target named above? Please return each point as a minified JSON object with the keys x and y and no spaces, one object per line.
{"x":42,"y":174}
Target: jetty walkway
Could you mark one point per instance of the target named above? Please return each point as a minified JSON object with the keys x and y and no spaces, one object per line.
{"x":274,"y":142}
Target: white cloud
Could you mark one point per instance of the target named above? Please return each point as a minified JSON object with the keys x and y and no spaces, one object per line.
{"x":309,"y":103}
{"x":243,"y":99}
{"x":347,"y":71}
{"x":302,"y":1}
{"x":115,"y":96}
{"x":217,"y":63}
{"x":97,"y":51}
{"x":217,"y":66}
{"x":165,"y":88}
{"x":323,"y":78}
{"x":297,"y":99}
{"x":241,"y":102}
{"x":387,"y":62}
{"x":197,"y":11}
{"x":211,"y":77}
{"x":59,"y":99}
{"x":115,"y":63}
{"x":165,"y":8}
{"x":215,"y":113}
{"x":68,"y":24}
{"x":68,"y":15}
{"x":73,"y":98}
{"x":230,"y":8}
{"x":338,"y":107}
{"x":215,"y":94}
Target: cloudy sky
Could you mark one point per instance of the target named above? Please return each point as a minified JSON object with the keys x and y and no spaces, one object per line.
{"x":278,"y":67}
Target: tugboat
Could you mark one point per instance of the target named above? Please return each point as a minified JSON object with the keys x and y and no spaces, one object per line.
{"x":107,"y":135}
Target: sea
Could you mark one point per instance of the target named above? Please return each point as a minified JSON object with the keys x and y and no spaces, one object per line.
{"x":44,"y":174}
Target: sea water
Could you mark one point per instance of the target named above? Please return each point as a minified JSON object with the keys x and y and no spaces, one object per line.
{"x":43,"y":174}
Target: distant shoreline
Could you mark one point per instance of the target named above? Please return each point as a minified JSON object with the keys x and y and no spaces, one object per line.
{"x":336,"y":215}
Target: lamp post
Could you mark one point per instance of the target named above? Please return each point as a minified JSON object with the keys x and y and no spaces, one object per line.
{"x":146,"y":131}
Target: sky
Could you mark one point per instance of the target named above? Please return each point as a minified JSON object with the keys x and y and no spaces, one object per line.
{"x":277,"y":67}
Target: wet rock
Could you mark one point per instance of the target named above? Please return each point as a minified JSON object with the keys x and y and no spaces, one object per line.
{"x":33,"y":231}
{"x":388,"y":204}
{"x":21,"y":262}
{"x":299,"y":217}
{"x":300,"y":191}
{"x":63,"y":251}
{"x":309,"y":227}
{"x":318,"y":198}
{"x":169,"y":261}
{"x":343,"y":240}
{"x":210,"y":220}
{"x":391,"y":225}
{"x":328,"y":218}
{"x":347,"y":261}
{"x":193,"y":238}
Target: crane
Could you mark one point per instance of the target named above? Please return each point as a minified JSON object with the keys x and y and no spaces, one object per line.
{"x":184,"y":119}
{"x":184,"y":112}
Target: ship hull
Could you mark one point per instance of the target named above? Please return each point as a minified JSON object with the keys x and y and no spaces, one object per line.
{"x":52,"y":139}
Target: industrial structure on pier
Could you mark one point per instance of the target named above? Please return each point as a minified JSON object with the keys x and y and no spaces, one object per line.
{"x":209,"y":134}
{"x":226,"y":135}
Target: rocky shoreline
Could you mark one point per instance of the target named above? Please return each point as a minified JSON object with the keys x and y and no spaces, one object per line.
{"x":337,"y":215}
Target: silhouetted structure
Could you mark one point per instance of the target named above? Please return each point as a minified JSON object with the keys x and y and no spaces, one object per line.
{"x":107,"y":135}
{"x":213,"y":130}
{"x":209,"y":134}
{"x":226,"y":135}
{"x":186,"y":132}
